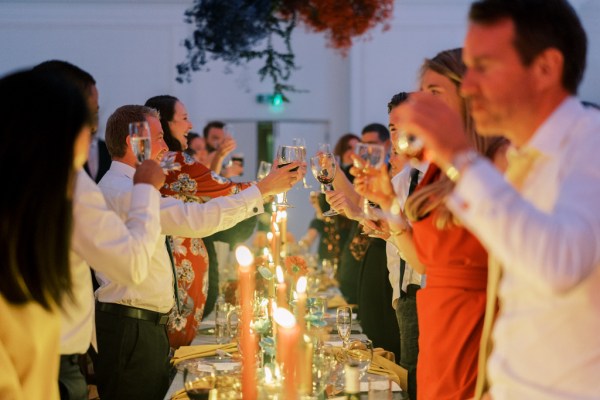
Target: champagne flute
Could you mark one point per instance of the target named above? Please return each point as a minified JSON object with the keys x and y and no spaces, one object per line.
{"x":371,"y":156}
{"x":141,"y":143}
{"x":360,"y":353}
{"x":285,"y":156}
{"x":263,"y":170}
{"x":324,"y":148}
{"x":323,"y":167}
{"x":343,"y":322}
{"x":301,"y":143}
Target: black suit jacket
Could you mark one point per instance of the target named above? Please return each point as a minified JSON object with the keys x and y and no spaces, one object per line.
{"x":104,"y":161}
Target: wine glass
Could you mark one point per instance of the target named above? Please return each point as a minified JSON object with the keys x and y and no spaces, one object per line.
{"x":141,"y":143}
{"x":301,"y":144}
{"x":285,"y":156}
{"x":343,"y":322}
{"x":323,"y":167}
{"x":263,"y":170}
{"x":370,"y":156}
{"x":324,"y":148}
{"x":360,"y":353}
{"x":198,"y":380}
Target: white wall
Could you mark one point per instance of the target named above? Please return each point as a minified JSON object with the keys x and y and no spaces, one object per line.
{"x":388,"y":63}
{"x":132,"y":47}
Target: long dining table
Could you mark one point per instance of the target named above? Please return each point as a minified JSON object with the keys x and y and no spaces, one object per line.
{"x":206,"y":336}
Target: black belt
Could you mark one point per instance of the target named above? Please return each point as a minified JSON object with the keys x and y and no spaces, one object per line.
{"x":70,"y":358}
{"x":411,"y":290}
{"x":133,"y":312}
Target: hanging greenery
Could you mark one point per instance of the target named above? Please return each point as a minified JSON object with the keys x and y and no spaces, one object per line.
{"x":238,"y":31}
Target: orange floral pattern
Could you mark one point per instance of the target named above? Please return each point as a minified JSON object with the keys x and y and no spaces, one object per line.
{"x":296,"y":265}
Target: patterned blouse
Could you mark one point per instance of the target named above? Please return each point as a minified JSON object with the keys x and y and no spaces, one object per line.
{"x":193,"y":183}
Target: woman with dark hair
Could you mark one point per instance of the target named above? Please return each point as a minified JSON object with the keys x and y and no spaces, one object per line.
{"x":193,"y":183}
{"x":344,"y":148}
{"x":451,"y":307}
{"x":197,"y":272}
{"x":35,"y":224}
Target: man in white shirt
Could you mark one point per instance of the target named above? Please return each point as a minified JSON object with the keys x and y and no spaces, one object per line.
{"x":100,"y":234}
{"x":525,"y":60}
{"x":132,"y":341}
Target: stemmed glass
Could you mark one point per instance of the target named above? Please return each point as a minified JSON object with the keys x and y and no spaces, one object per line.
{"x":141,"y":143}
{"x":324,"y":148}
{"x":301,"y":144}
{"x":198,"y":380}
{"x":360,"y":353}
{"x":371,"y":156}
{"x":263,"y":170}
{"x":323,"y":167}
{"x":343,"y":322}
{"x":285,"y":156}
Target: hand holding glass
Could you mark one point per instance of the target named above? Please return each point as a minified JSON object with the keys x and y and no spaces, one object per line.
{"x":285,"y":156}
{"x":372,"y":156}
{"x":141,"y":143}
{"x":323,"y":167}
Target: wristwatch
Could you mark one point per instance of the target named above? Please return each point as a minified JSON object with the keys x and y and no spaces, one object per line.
{"x":460,"y":163}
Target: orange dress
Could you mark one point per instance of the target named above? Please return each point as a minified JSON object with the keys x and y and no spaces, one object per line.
{"x":450,"y":308}
{"x":193,"y":183}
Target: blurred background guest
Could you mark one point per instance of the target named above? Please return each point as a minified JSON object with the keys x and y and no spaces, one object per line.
{"x":35,"y":237}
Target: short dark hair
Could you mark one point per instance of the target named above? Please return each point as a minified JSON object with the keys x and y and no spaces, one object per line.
{"x":396,"y":100}
{"x":539,"y":25}
{"x":36,"y":216}
{"x":165,"y":105}
{"x":382,"y":131}
{"x":210,"y":125}
{"x":117,"y":127}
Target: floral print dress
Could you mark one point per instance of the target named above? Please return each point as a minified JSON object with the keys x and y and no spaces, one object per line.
{"x":193,"y":183}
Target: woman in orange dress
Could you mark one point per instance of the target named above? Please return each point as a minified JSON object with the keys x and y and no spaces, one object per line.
{"x":451,"y":306}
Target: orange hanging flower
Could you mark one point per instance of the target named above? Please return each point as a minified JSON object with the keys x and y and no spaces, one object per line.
{"x":296,"y":265}
{"x":342,"y":20}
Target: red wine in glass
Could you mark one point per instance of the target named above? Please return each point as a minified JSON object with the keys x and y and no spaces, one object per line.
{"x":325,"y":179}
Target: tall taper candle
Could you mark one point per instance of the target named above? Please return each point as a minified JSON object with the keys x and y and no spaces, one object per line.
{"x":288,"y":336}
{"x":247,"y":338}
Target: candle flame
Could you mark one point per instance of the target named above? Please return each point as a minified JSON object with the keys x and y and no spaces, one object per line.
{"x":301,"y":285}
{"x":269,"y":236}
{"x":284,"y":318}
{"x":279,"y":274}
{"x":244,"y":256}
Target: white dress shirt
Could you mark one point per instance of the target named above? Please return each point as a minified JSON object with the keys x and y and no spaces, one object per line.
{"x":102,"y":240}
{"x":401,"y":185}
{"x":155,"y":293}
{"x":547,"y":333}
